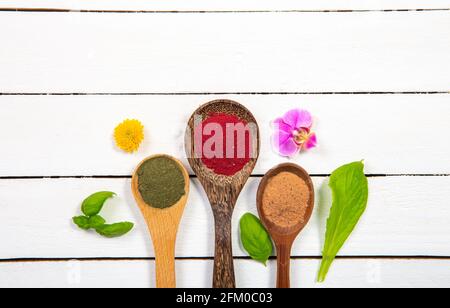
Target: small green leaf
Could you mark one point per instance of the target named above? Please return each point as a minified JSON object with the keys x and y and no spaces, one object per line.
{"x":82,"y":222}
{"x":96,"y":221}
{"x":93,"y":204}
{"x":350,"y":194}
{"x":255,"y":239}
{"x":115,"y":230}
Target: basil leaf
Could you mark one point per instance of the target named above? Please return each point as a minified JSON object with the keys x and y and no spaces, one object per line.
{"x":115,"y":230}
{"x":82,"y":222}
{"x":350,"y":194}
{"x":255,"y":239}
{"x":93,"y":204}
{"x":96,"y":221}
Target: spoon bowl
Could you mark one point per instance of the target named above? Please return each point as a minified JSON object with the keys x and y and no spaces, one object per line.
{"x":284,"y":237}
{"x":222,"y":190}
{"x":163,"y":226}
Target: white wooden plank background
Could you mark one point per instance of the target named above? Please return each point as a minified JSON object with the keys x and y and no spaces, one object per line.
{"x":390,"y":227}
{"x":232,"y":5}
{"x":393,"y":133}
{"x":352,"y":273}
{"x":239,"y":52}
{"x":369,"y":51}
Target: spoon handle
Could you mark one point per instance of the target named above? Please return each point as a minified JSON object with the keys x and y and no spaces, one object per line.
{"x":165,"y":263}
{"x":223,"y":260}
{"x":284,"y":265}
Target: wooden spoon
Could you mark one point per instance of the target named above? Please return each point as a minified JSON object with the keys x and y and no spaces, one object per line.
{"x":163,"y":226}
{"x":223,"y":191}
{"x":284,"y":237}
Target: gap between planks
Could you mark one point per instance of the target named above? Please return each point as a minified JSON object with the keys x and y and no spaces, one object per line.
{"x":119,"y":259}
{"x":53,"y":10}
{"x":227,"y":93}
{"x":194,"y":176}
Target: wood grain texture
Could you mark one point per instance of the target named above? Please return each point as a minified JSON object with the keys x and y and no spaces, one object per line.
{"x":181,"y":5}
{"x":163,"y":225}
{"x":353,"y":273}
{"x":284,"y":237}
{"x":72,"y":135}
{"x":222,"y":191}
{"x":269,"y":52}
{"x":393,"y":224}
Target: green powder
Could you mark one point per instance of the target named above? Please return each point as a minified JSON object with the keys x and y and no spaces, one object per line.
{"x":161,"y":182}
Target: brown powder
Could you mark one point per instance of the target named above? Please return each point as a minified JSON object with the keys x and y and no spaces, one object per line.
{"x":285,"y":200}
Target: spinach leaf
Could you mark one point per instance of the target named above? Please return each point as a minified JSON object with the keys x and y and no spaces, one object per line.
{"x":115,"y":230}
{"x":93,"y":204}
{"x":350,"y":194}
{"x":82,"y":222}
{"x":255,"y":239}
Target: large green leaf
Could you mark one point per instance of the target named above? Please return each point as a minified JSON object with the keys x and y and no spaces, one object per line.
{"x":350,"y":193}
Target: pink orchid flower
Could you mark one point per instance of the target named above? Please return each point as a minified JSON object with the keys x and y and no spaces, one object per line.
{"x":293,"y":133}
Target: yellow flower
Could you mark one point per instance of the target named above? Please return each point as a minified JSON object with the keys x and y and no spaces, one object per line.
{"x":129,"y":135}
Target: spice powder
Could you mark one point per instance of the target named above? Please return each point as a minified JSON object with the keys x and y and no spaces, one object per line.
{"x":285,"y":200}
{"x":161,"y":182}
{"x":220,"y":163}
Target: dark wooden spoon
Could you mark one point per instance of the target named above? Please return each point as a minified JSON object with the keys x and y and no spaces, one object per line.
{"x":222,"y":191}
{"x":284,"y":237}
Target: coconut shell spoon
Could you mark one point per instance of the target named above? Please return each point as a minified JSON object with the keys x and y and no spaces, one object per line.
{"x":163,"y":225}
{"x":285,"y":235}
{"x":222,"y":191}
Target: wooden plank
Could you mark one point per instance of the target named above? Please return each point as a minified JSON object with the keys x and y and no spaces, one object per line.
{"x":232,"y":5}
{"x":72,"y":135}
{"x":267,"y":52}
{"x":38,"y":213}
{"x":353,"y":273}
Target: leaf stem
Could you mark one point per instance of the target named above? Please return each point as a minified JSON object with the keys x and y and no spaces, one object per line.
{"x":324,"y":268}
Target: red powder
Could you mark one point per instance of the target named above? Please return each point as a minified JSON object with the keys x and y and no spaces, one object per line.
{"x":225,"y":145}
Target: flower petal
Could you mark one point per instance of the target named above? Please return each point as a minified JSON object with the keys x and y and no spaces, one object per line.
{"x":298,"y":118}
{"x":280,"y":137}
{"x":311,"y":142}
{"x":288,"y":148}
{"x":279,"y":124}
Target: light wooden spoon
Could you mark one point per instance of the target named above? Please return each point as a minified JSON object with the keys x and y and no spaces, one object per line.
{"x":282,"y":236}
{"x":163,"y":226}
{"x":223,"y":191}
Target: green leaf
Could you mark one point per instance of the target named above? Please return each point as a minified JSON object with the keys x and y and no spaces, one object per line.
{"x":93,"y":204}
{"x":96,"y":221}
{"x":82,"y":222}
{"x":350,"y":194}
{"x":115,"y":230}
{"x":255,"y":239}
